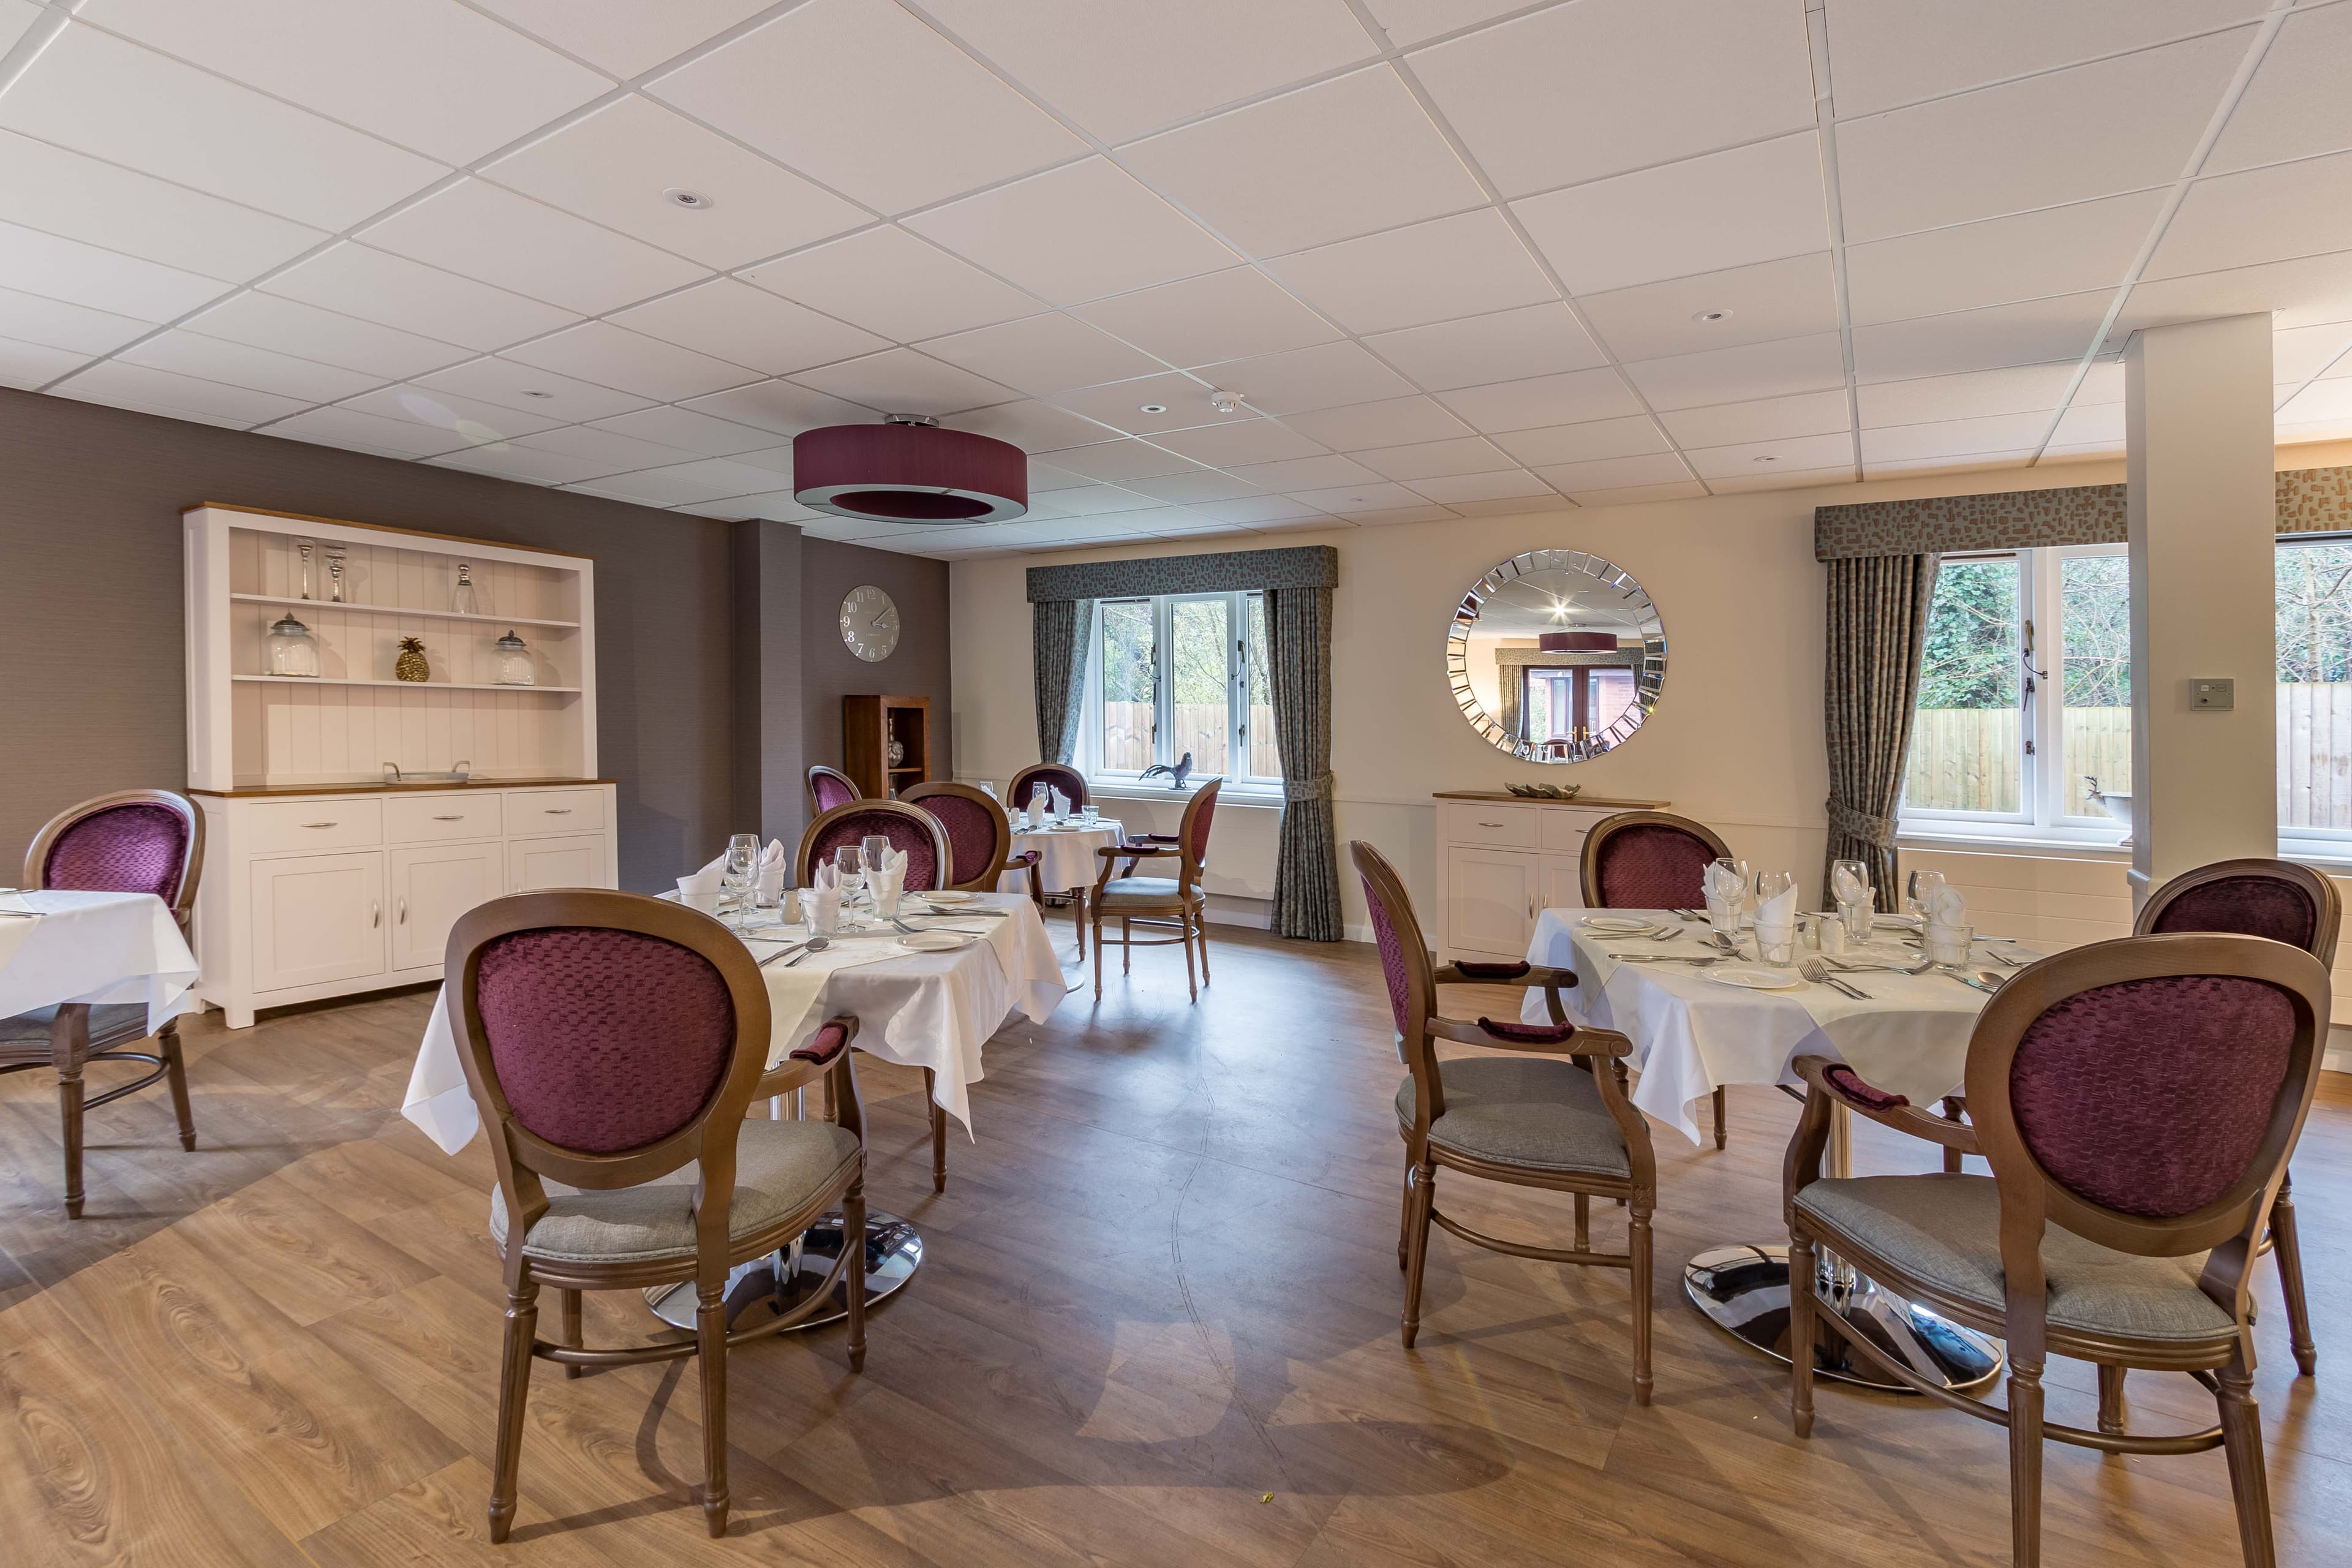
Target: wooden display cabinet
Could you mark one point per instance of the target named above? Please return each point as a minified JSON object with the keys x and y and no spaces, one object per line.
{"x":868,"y":725}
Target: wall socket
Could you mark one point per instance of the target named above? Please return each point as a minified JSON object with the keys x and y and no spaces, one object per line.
{"x":2214,"y":695}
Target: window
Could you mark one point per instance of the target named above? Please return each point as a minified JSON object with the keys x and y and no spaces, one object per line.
{"x":1177,"y":675}
{"x":2313,"y":605}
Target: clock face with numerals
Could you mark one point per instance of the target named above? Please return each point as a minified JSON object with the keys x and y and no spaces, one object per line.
{"x":869,"y":623}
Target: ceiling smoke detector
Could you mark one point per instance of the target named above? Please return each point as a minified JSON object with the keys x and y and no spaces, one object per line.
{"x":679,"y":197}
{"x":1708,"y":317}
{"x":908,"y":469}
{"x":1224,"y":402}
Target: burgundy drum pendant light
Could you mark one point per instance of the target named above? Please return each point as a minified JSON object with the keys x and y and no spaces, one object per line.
{"x":1576,"y":642}
{"x":908,"y":469}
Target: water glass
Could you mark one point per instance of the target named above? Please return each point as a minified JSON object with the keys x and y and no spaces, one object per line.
{"x":1857,"y":918}
{"x":1776,"y":944}
{"x":988,"y":788}
{"x":1947,"y":946}
{"x":741,"y":872}
{"x":823,"y":914}
{"x":1041,"y":804}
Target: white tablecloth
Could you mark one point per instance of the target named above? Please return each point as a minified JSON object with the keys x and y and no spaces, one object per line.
{"x":96,"y":948}
{"x":1067,"y":858}
{"x":1691,"y":1034}
{"x":931,"y":1010}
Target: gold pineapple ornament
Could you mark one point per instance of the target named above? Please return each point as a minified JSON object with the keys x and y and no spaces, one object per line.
{"x":411,"y":665}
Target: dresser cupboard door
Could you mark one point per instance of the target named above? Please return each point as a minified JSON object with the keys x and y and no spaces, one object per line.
{"x":431,"y":886}
{"x":316,"y":918}
{"x":1490,"y":900}
{"x":1561,"y":882}
{"x":536,"y":864}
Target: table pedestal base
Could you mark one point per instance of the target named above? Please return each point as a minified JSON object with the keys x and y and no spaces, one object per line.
{"x":1745,"y":1292}
{"x":768,"y":1287}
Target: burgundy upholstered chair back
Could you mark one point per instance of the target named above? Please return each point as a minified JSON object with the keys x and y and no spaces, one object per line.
{"x":140,"y":841}
{"x":1198,"y":814}
{"x":603,"y":1040}
{"x":828,"y":789}
{"x":1053,"y":775}
{"x":1405,"y":957}
{"x":2274,"y":898}
{"x":908,"y":827}
{"x":979,"y":836}
{"x":1648,"y":861}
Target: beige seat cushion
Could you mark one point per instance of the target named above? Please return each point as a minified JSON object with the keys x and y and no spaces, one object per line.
{"x":1136,"y":892}
{"x":779,"y":1166}
{"x":1539,"y":1112}
{"x":1946,"y":1229}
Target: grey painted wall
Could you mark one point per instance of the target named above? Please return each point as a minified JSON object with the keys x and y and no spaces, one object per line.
{"x":918,"y":668}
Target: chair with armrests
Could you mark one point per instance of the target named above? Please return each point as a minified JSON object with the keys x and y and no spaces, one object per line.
{"x":930,"y":860}
{"x":613,"y":1043}
{"x":829,"y":788}
{"x":1553,"y":1114}
{"x":2138,"y":1100}
{"x":134,"y":841}
{"x":980,"y":836}
{"x":1053,"y":775}
{"x":1652,"y":860}
{"x":1158,"y":902}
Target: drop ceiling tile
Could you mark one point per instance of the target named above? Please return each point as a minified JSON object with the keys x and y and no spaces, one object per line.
{"x":2295,"y":106}
{"x":1074,"y":234}
{"x":1393,"y":422}
{"x":900,"y":381}
{"x":79,"y":274}
{"x":1577,"y":93}
{"x":1509,"y":345}
{"x":2029,"y":333}
{"x":65,"y":193}
{"x":1346,"y":500}
{"x":1043,"y":354}
{"x":108,"y":98}
{"x":2263,"y":214}
{"x":2058,"y":250}
{"x":1766,"y":419}
{"x":431,"y":75}
{"x":1314,"y":522}
{"x":1570,"y":399}
{"x":377,"y":285}
{"x":289,"y":326}
{"x":1181,"y":400}
{"x":1321,"y":377}
{"x":519,"y":386}
{"x":485,"y":232}
{"x":1770,"y":299}
{"x":625,"y":37}
{"x":2094,"y":424}
{"x":1969,"y":463}
{"x":1189,"y":489}
{"x":683,"y":427}
{"x":180,"y":396}
{"x":1468,"y":265}
{"x":509,"y":461}
{"x":470,"y":419}
{"x":16,"y":19}
{"x":1091,"y":501}
{"x":613,"y":167}
{"x":1953,"y":437}
{"x":1742,"y":375}
{"x":1774,"y":478}
{"x":1758,"y":203}
{"x":1044,"y":476}
{"x":1119,"y":461}
{"x":1031,"y":426}
{"x":608,"y":451}
{"x":1191,"y":524}
{"x":777,"y":506}
{"x":614,"y":356}
{"x":2102,"y":381}
{"x":2309,"y":290}
{"x":1435,"y":460}
{"x":1302,"y":473}
{"x":1615,"y":473}
{"x":783,"y":407}
{"x":1506,"y":484}
{"x":1244,"y":441}
{"x":734,"y":322}
{"x":1787,"y":454}
{"x":1885,"y":54}
{"x":1408,"y":22}
{"x":2329,"y":399}
{"x":1258,"y":508}
{"x":2296,"y":354}
{"x":2017,"y":389}
{"x":31,"y":318}
{"x":897,"y":118}
{"x":888,"y":281}
{"x":1631,"y":437}
{"x":1640,"y":495}
{"x":236,"y":364}
{"x":2125,"y":124}
{"x":355,"y":431}
{"x":1233,"y":314}
{"x":730,"y":477}
{"x":680,"y":486}
{"x":1391,"y":516}
{"x":30,"y":365}
{"x":1514,"y":506}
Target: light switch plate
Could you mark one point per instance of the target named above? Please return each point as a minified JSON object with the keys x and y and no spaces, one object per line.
{"x":2215,"y":694}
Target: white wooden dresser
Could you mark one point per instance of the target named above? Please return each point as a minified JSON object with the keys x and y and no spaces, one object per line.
{"x":1503,"y":859}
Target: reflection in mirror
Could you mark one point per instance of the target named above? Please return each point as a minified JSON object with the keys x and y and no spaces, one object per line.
{"x":1556,"y":656}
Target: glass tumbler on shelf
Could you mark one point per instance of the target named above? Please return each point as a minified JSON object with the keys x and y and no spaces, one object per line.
{"x":293,"y":649}
{"x":462,"y":598}
{"x":511,"y":662}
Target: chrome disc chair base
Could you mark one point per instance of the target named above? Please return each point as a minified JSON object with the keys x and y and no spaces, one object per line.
{"x":778,"y":1283}
{"x":1743,"y":1291}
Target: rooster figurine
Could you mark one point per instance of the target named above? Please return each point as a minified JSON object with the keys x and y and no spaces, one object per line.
{"x":1176,"y":775}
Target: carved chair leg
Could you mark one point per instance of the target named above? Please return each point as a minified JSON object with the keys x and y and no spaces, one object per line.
{"x":1800,"y":1334}
{"x":1720,"y":1137}
{"x":2025,"y":1463}
{"x":853,"y":1234}
{"x":1200,"y":934}
{"x":1098,"y":953}
{"x":2111,"y":1400}
{"x":2241,"y":1440}
{"x":939,"y":1131}
{"x":1637,"y":1242}
{"x":514,"y":1390}
{"x":70,"y":1097}
{"x":2288,"y":1253}
{"x":710,"y":1354}
{"x":1125,"y":945}
{"x":1184,"y":936}
{"x":175,"y":1074}
{"x":568,"y":1304}
{"x":1583,"y":1222}
{"x":1951,"y":1110}
{"x":1405,"y":1223}
{"x":1424,"y":1197}
{"x":1078,"y":918}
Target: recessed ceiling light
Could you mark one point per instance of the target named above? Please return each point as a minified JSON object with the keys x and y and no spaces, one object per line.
{"x":1708,"y":317}
{"x":1766,"y":459}
{"x":679,"y":197}
{"x":530,"y":394}
{"x":1153,"y":407}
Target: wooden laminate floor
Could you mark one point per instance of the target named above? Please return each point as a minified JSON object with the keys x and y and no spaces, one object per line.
{"x":1157,"y":1326}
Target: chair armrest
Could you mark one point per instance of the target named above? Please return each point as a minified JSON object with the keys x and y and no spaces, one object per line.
{"x":813,"y":1060}
{"x":1840,"y":1085}
{"x":1526,"y":975}
{"x":1134,"y":851}
{"x":1550,"y":1039}
{"x":1029,"y":859}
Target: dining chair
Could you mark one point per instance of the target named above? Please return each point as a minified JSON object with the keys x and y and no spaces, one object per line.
{"x":829,"y":788}
{"x":1053,"y":775}
{"x":133,"y":841}
{"x":1157,"y":903}
{"x":613,"y":1043}
{"x":1553,"y":1114}
{"x":2138,"y":1100}
{"x":1652,"y":860}
{"x":980,"y":836}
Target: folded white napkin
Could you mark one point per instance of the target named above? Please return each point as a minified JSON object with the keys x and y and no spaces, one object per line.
{"x":821,"y":900}
{"x":772,"y":868}
{"x":888,"y":879}
{"x":1061,"y":804}
{"x":705,"y":880}
{"x":1778,"y":912}
{"x":1947,"y":908}
{"x":1847,"y":887}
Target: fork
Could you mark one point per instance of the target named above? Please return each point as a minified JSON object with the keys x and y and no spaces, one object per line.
{"x":1816,"y":970}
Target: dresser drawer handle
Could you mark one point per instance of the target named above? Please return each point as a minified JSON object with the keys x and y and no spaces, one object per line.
{"x":318,"y":824}
{"x":556,"y":810}
{"x":458,"y":817}
{"x":1490,"y":824}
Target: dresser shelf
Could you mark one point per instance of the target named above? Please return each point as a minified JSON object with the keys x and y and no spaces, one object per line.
{"x":401,"y":611}
{"x":405,"y":685}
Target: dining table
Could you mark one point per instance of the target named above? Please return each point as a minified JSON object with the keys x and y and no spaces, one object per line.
{"x":930,"y":996}
{"x":63,"y":945}
{"x":1068,"y":861}
{"x":1700,"y":1018}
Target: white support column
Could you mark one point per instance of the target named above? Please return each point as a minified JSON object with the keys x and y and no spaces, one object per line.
{"x":2203,"y":531}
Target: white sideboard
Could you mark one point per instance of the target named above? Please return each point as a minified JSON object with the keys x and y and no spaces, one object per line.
{"x":1502,"y":860}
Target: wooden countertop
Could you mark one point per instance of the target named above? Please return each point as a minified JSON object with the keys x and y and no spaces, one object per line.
{"x":1604,"y":800}
{"x":248,"y":791}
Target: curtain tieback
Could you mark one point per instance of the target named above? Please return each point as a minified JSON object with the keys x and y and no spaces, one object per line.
{"x":1315,"y":786}
{"x":1847,"y":823}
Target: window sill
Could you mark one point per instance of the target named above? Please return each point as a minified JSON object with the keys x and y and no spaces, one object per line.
{"x":1232,"y":795}
{"x":2013,"y":840}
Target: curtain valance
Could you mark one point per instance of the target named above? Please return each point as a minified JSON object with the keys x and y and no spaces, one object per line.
{"x":1221,"y":572}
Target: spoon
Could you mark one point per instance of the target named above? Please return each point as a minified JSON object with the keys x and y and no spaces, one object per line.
{"x":814,"y":944}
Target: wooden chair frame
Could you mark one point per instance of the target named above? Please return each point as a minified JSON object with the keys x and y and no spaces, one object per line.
{"x":817,"y":771}
{"x":70,"y":1048}
{"x":523,"y":1159}
{"x":1187,"y":913}
{"x":1589,"y":1049}
{"x":1588,"y":872}
{"x":2230,"y":1227}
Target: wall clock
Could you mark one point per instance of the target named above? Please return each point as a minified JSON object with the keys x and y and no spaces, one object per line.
{"x":869,"y":623}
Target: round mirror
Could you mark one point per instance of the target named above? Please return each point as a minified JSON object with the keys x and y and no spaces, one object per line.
{"x":1556,"y":656}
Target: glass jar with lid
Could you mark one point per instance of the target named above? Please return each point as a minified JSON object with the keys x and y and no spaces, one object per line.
{"x":510,"y":663}
{"x":293,"y":648}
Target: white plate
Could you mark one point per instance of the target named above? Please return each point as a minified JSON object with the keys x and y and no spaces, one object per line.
{"x":947,"y":897}
{"x":1754,"y":979}
{"x":934,"y":940}
{"x":1615,"y":923}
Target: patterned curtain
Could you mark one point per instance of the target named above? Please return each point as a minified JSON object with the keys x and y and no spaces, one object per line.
{"x":1061,"y":652}
{"x":1513,"y":679}
{"x":1877,"y":633}
{"x":1306,"y":869}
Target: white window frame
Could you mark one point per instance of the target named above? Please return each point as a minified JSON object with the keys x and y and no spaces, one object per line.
{"x":1163,"y":610}
{"x":2330,"y":843}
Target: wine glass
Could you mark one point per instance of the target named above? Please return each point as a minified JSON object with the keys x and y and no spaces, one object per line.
{"x":876,"y":848}
{"x":1852,"y":878}
{"x":1920,"y":891}
{"x":849,"y":865}
{"x":741,"y":875}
